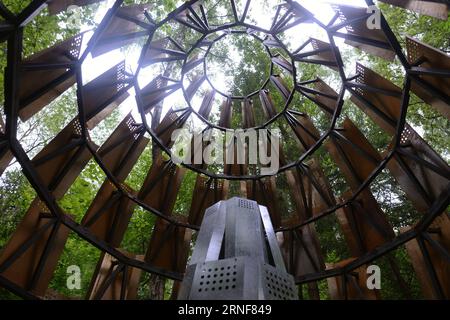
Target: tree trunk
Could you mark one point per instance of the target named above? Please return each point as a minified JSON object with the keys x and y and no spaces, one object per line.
{"x":156,"y":284}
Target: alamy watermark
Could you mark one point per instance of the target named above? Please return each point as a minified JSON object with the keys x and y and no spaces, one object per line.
{"x":373,"y":281}
{"x":374,"y":20}
{"x":215,"y":147}
{"x":73,"y":281}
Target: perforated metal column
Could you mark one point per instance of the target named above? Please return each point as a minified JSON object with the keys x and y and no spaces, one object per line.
{"x":236,"y":256}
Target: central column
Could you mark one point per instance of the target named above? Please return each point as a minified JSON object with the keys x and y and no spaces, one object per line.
{"x":236,"y":256}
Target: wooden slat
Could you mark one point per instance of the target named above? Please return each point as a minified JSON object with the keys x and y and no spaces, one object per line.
{"x":22,"y":270}
{"x":162,"y":50}
{"x":313,"y":186}
{"x":5,"y":154}
{"x":322,"y":54}
{"x":281,"y":86}
{"x":359,"y":28}
{"x":109,"y":214}
{"x":41,"y":86}
{"x":105,"y":270}
{"x":104,"y":94}
{"x":207,"y":102}
{"x":426,"y":7}
{"x":356,"y":287}
{"x":325,"y":103}
{"x":248,"y":114}
{"x":172,"y":121}
{"x":289,"y":17}
{"x":123,"y":29}
{"x":388,"y":105}
{"x":169,"y":246}
{"x":161,"y":185}
{"x":195,"y":23}
{"x":433,"y":59}
{"x":301,"y":251}
{"x":264,"y":192}
{"x":206,"y":193}
{"x":440,"y":264}
{"x":110,"y":211}
{"x":155,"y":91}
{"x":354,"y":166}
{"x":282,"y":62}
{"x":305,"y":131}
{"x":432,"y":184}
{"x":267,"y":104}
{"x":122,"y":149}
{"x":364,"y":224}
{"x":69,"y":164}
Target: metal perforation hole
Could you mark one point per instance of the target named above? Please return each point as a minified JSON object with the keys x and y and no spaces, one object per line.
{"x":217,"y":279}
{"x":414,"y":52}
{"x":406,"y":135}
{"x":246,"y":204}
{"x":361,"y":79}
{"x":277,"y":286}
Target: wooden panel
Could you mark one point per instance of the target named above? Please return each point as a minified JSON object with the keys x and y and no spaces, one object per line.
{"x":248,"y":114}
{"x":172,"y":120}
{"x":355,"y":167}
{"x":282,"y":62}
{"x":440,"y":264}
{"x":364,"y":224}
{"x":267,"y":104}
{"x":169,"y":246}
{"x":433,"y":59}
{"x":207,"y":102}
{"x":206,"y":193}
{"x":356,"y":285}
{"x":122,"y":149}
{"x":5,"y":154}
{"x":313,"y":194}
{"x":430,"y":8}
{"x":163,"y":50}
{"x":389,"y":105}
{"x":43,"y":252}
{"x":109,"y":214}
{"x":305,"y":131}
{"x":322,"y":54}
{"x":264,"y":192}
{"x":326,"y":98}
{"x":40,"y":86}
{"x":281,"y":86}
{"x":57,"y":167}
{"x":301,"y":251}
{"x":359,"y":29}
{"x":57,"y":6}
{"x":161,"y":185}
{"x":155,"y":91}
{"x":123,"y":29}
{"x":103,"y":94}
{"x":108,"y":282}
{"x":421,"y":184}
{"x":290,"y":16}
